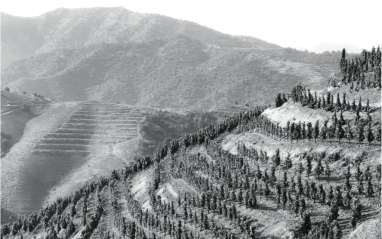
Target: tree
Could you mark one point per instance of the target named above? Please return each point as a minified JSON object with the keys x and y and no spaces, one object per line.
{"x":7,"y":89}
{"x":259,"y":175}
{"x":73,"y":211}
{"x":360,"y":133}
{"x":378,"y":133}
{"x":308,"y":165}
{"x":279,"y":102}
{"x":327,"y":169}
{"x":339,"y":132}
{"x":277,"y":158}
{"x":331,"y":132}
{"x":358,"y":173}
{"x":353,"y":106}
{"x":316,"y":130}
{"x":369,"y":190}
{"x":349,"y":133}
{"x":309,"y":133}
{"x":359,"y":104}
{"x":370,"y":135}
{"x":367,"y":109}
{"x":324,"y":131}
{"x":288,"y":161}
{"x":303,"y":131}
{"x":347,"y":179}
{"x":318,"y":169}
{"x":300,"y":168}
{"x":338,"y":103}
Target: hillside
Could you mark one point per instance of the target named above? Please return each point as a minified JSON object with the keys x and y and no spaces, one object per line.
{"x":77,"y":28}
{"x":179,"y":72}
{"x":63,"y":148}
{"x":115,"y":55}
{"x":309,"y":167}
{"x":81,"y":142}
{"x":16,"y":111}
{"x":207,"y":185}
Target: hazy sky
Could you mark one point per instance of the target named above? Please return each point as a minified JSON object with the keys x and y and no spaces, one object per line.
{"x":289,"y":23}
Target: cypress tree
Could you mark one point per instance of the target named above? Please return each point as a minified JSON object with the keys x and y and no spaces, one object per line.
{"x":324,"y":131}
{"x":309,"y":133}
{"x":316,"y":130}
{"x":318,"y":169}
{"x":308,"y":165}
{"x":370,"y":135}
{"x":359,"y":104}
{"x":338,"y":103}
{"x":277,"y":158}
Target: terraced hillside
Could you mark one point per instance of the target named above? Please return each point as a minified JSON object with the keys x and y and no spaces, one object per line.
{"x":95,"y":127}
{"x":91,"y":140}
{"x":252,"y":175}
{"x":225,"y":181}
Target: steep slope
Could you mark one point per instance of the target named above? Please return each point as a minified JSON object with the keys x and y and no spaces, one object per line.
{"x":76,"y":28}
{"x":80,"y":141}
{"x":177,"y":72}
{"x":16,"y":111}
{"x":207,"y":185}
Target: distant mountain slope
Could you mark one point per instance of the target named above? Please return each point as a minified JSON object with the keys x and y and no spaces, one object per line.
{"x":76,"y":28}
{"x":175,"y":72}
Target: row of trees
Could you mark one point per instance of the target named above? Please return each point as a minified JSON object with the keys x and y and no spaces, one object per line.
{"x":354,"y":70}
{"x":305,"y":97}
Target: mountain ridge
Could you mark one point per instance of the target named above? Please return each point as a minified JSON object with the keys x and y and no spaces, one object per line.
{"x":73,"y":28}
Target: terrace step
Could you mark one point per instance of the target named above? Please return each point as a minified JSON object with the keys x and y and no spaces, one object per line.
{"x":104,"y":115}
{"x":88,"y":136}
{"x":93,"y":131}
{"x":86,"y":142}
{"x":98,"y":125}
{"x":103,"y":121}
{"x":55,"y":152}
{"x":62,"y":146}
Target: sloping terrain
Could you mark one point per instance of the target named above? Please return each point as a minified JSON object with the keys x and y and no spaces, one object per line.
{"x":16,"y":111}
{"x":115,"y":55}
{"x":76,"y":28}
{"x":179,"y":72}
{"x":79,"y":141}
{"x":211,"y":188}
